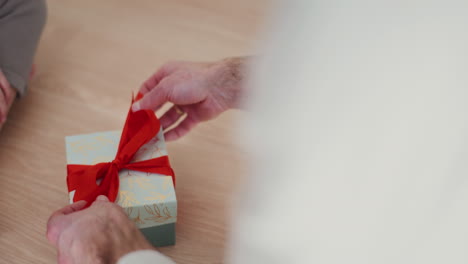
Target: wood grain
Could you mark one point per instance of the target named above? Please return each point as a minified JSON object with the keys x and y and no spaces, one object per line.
{"x":92,"y":55}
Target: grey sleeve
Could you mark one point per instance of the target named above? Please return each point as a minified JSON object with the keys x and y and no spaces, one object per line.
{"x":21,"y":24}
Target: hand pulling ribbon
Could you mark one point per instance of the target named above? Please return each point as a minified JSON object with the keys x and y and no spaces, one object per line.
{"x":140,"y":127}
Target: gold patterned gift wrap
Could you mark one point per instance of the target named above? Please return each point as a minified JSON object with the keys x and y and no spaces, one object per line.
{"x":148,"y":198}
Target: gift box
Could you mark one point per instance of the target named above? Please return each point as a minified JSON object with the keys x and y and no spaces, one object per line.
{"x":145,"y":186}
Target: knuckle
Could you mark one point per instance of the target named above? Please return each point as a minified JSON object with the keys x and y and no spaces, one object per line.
{"x":54,"y":234}
{"x":52,"y":222}
{"x":117,"y":214}
{"x":118,"y":211}
{"x":112,"y":208}
{"x":145,"y":87}
{"x":8,"y":95}
{"x":51,"y":233}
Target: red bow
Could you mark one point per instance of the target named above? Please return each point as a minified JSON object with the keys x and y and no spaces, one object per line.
{"x":140,"y":127}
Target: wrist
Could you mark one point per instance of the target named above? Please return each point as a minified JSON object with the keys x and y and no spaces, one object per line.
{"x":231,"y":74}
{"x":127,"y":239}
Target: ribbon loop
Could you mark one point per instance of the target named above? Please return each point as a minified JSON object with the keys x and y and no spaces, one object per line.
{"x":140,"y":127}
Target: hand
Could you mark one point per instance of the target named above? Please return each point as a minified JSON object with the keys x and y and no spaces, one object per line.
{"x":101,"y":233}
{"x":7,"y":96}
{"x":199,"y":92}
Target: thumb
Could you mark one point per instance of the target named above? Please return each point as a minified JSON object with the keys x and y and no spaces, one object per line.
{"x":102,"y":198}
{"x":152,"y":100}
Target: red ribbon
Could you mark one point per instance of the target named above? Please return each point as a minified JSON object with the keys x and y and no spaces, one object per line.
{"x":140,"y":127}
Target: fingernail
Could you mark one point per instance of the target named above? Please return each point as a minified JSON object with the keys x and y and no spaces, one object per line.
{"x":102,"y":198}
{"x":136,"y":106}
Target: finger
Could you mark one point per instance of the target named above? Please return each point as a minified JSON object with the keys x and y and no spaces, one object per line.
{"x":172,"y":115}
{"x":182,"y":129}
{"x":155,"y":98}
{"x":5,"y":95}
{"x":154,"y":80}
{"x":71,"y":208}
{"x":6,"y":88}
{"x":3,"y":108}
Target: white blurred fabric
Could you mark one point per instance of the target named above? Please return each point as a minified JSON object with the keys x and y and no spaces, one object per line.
{"x":358,"y":130}
{"x":145,"y":257}
{"x":359,"y":133}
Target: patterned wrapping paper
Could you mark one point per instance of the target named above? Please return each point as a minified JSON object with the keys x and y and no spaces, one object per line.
{"x":148,"y":199}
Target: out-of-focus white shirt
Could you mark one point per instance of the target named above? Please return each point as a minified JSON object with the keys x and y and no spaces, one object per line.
{"x":358,"y":130}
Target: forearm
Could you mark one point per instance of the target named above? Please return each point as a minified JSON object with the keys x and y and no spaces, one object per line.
{"x":21,"y":24}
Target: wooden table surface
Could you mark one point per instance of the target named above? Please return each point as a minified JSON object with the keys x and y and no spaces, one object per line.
{"x":91,"y":56}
